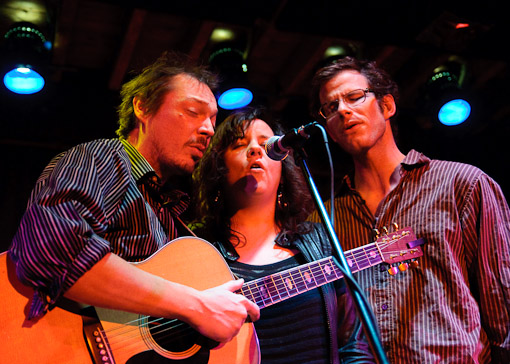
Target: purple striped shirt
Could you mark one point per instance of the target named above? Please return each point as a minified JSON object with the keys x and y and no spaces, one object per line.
{"x":455,"y":306}
{"x":96,"y":198}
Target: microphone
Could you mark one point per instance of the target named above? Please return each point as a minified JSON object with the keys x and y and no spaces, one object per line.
{"x":278,"y":147}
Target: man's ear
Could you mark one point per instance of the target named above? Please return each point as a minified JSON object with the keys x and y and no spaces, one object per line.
{"x":388,"y":106}
{"x":139,"y":109}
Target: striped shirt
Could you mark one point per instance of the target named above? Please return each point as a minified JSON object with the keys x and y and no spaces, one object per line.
{"x":96,"y":198}
{"x":455,"y":306}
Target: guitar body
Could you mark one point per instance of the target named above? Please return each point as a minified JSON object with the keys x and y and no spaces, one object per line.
{"x":55,"y":338}
{"x":58,"y":336}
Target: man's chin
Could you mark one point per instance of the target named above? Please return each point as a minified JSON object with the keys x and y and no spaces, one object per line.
{"x":183,"y":169}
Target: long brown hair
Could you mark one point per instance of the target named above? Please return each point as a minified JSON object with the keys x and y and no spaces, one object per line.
{"x":209,"y":180}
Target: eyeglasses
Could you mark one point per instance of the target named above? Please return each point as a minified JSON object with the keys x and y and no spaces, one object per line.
{"x":351,"y":99}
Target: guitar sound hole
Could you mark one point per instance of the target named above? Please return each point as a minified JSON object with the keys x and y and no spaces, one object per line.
{"x":172,"y":335}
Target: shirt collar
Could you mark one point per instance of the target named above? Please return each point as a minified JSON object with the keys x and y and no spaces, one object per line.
{"x":143,"y":173}
{"x":139,"y":165}
{"x":413,"y":159}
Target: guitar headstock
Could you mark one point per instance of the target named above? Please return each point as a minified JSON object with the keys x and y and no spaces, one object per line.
{"x":399,"y":246}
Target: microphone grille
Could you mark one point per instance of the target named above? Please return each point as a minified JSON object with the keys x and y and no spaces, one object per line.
{"x":273,"y":150}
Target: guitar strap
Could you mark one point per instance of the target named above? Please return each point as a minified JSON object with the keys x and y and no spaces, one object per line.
{"x":182,"y":228}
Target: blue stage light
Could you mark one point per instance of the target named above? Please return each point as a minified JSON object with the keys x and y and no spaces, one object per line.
{"x":23,"y":80}
{"x":235,"y":98}
{"x":454,"y":112}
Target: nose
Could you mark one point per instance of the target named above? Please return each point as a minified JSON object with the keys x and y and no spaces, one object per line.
{"x":343,"y":108}
{"x":207,"y":127}
{"x":255,"y":150}
{"x":342,"y":111}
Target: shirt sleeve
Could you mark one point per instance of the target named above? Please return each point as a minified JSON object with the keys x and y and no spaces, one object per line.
{"x":60,"y":235}
{"x":486,"y":219}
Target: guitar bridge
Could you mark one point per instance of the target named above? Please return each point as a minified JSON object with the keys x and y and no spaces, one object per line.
{"x":96,"y":340}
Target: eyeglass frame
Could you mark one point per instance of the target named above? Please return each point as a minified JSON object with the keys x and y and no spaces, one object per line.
{"x":365,"y":91}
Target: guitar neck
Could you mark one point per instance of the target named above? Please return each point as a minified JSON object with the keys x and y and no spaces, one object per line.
{"x":280,"y":286}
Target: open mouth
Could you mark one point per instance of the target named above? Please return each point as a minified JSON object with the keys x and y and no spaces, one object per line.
{"x":256,"y":166}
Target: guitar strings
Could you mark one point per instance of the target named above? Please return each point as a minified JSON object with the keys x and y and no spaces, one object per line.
{"x":123,"y":334}
{"x":173,"y":327}
{"x":360,"y":257}
{"x":317,"y":277}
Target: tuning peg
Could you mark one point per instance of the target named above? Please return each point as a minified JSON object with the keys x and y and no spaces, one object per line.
{"x":377,"y":233}
{"x":385,"y":229}
{"x":403,"y":266}
{"x":395,"y":226}
{"x":393,"y":271}
{"x":414,"y":263}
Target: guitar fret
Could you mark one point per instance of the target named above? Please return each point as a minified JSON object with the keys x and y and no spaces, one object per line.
{"x":327,"y":270}
{"x":268,"y":292}
{"x":275,"y":288}
{"x":309,"y":277}
{"x":365,"y":254}
{"x":248,"y":294}
{"x":295,"y":281}
{"x":301,"y":279}
{"x":259,"y":300}
{"x":284,"y":283}
{"x":321,"y":275}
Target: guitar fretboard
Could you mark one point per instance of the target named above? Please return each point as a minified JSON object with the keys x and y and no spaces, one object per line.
{"x":280,"y":286}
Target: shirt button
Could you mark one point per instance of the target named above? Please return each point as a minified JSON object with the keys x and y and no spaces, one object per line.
{"x":384,"y":307}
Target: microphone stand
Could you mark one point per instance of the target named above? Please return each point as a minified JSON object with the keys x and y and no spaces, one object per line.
{"x":363,"y":309}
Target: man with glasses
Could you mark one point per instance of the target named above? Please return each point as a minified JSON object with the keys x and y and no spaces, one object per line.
{"x":455,"y":306}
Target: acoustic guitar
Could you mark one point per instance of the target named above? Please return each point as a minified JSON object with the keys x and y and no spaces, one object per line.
{"x":73,"y":334}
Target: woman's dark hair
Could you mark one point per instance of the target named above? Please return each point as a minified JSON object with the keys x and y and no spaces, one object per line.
{"x":154,"y":82}
{"x":209,"y":180}
{"x":379,"y":81}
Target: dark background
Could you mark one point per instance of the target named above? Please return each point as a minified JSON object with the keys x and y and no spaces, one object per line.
{"x":97,"y":43}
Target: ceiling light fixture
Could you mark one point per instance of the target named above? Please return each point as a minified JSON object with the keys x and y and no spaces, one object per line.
{"x":25,"y":54}
{"x":229,"y":62}
{"x":445,"y":93}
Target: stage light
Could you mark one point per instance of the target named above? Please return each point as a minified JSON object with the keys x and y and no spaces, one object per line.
{"x":23,"y":80}
{"x":445,"y":94}
{"x":229,"y":61}
{"x":25,"y":53}
{"x":454,"y":112}
{"x":235,"y":98}
{"x":222,"y":35}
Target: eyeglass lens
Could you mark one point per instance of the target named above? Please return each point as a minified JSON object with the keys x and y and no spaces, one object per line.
{"x":351,"y":99}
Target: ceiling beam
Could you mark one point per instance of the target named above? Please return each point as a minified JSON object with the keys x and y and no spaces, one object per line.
{"x":127,"y":48}
{"x":63,"y":34}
